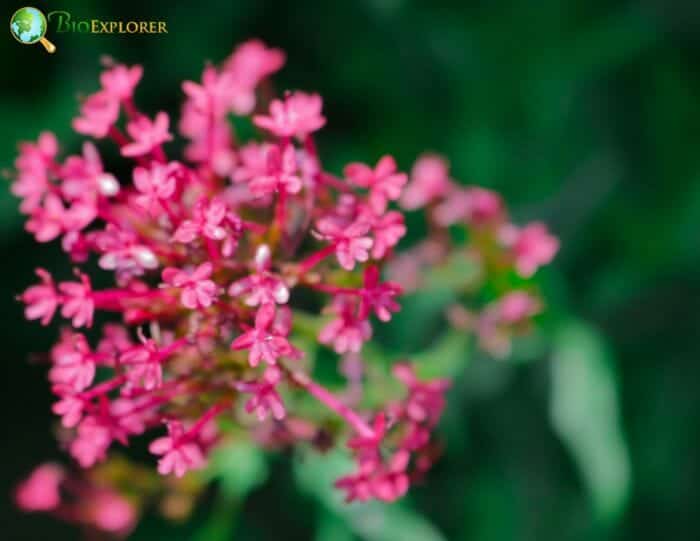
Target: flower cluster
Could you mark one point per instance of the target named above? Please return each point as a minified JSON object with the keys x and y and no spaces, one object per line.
{"x":216,"y":260}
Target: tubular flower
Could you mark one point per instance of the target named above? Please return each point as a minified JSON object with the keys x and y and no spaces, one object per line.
{"x":220,"y":260}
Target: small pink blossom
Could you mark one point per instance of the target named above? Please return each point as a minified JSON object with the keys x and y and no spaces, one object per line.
{"x":208,"y":220}
{"x":347,"y":332}
{"x":40,"y":491}
{"x":98,"y":114}
{"x":155,"y":185}
{"x":143,"y":365}
{"x":91,"y":443}
{"x":281,"y":173}
{"x":178,"y":453}
{"x":266,"y":341}
{"x":263,"y":286}
{"x":429,"y":180}
{"x":111,"y":512}
{"x":115,"y":339}
{"x":122,"y":252}
{"x":351,"y":243}
{"x":73,"y":362}
{"x":78,"y":303}
{"x":147,"y":135}
{"x":517,"y":306}
{"x":532,"y":246}
{"x":119,"y":82}
{"x":41,"y":300}
{"x":388,"y":230}
{"x":33,"y":168}
{"x":252,"y":162}
{"x":383,"y":182}
{"x":265,"y":399}
{"x":379,"y":297}
{"x":299,"y":114}
{"x":426,"y":399}
{"x":252,"y":62}
{"x":70,"y":408}
{"x":198,"y":291}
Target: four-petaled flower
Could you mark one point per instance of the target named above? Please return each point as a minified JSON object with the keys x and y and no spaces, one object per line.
{"x":266,"y":341}
{"x":383,"y":182}
{"x":198,"y":291}
{"x":178,"y":453}
{"x":299,"y":114}
{"x":147,"y":135}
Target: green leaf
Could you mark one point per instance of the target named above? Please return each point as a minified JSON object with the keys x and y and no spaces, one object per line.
{"x":372,"y":521}
{"x":239,"y":466}
{"x":585,"y":413}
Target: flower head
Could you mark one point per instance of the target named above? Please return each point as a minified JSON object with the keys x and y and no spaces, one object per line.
{"x":298,"y":115}
{"x":198,"y":291}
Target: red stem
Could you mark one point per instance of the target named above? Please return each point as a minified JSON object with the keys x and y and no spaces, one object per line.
{"x":333,"y":403}
{"x":315,"y":258}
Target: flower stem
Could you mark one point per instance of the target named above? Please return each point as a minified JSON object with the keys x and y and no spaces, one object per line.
{"x":315,"y":258}
{"x":333,"y":403}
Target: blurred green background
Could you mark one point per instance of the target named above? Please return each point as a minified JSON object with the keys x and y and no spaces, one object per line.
{"x":583,"y":113}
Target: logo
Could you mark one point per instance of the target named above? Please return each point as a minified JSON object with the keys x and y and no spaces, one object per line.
{"x":28,"y":26}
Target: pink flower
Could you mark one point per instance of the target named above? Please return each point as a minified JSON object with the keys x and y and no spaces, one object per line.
{"x":41,"y":300}
{"x":179,"y":455}
{"x":265,"y":399}
{"x":49,"y":221}
{"x":346,"y":333}
{"x":252,"y":61}
{"x":351,"y":242}
{"x":115,"y":339}
{"x":299,"y":114}
{"x":388,"y":230}
{"x":477,"y":206}
{"x":281,"y":173}
{"x":121,"y":251}
{"x":33,"y":165}
{"x":426,"y":399}
{"x":120,"y":81}
{"x":91,"y":443}
{"x":208,"y":218}
{"x":40,"y":491}
{"x":98,"y":113}
{"x":198,"y":291}
{"x":253,"y":162}
{"x":263,"y":286}
{"x":532,"y":246}
{"x":73,"y":362}
{"x":429,"y":181}
{"x":156,"y":185}
{"x":70,"y":409}
{"x":111,"y":512}
{"x":266,"y":341}
{"x":486,"y":206}
{"x":384,"y":183}
{"x":78,"y":303}
{"x":517,"y":306}
{"x":84,"y":176}
{"x":377,"y":297}
{"x":53,"y":219}
{"x":143,"y":365}
{"x":146,"y":135}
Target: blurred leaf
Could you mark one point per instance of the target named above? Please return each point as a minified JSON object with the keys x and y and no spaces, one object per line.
{"x":447,"y":357}
{"x":372,"y":521}
{"x":239,"y":466}
{"x":585,"y":414}
{"x":219,"y":526}
{"x":420,"y":319}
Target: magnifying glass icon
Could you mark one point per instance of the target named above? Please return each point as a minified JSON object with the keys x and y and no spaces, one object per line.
{"x":28,"y":26}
